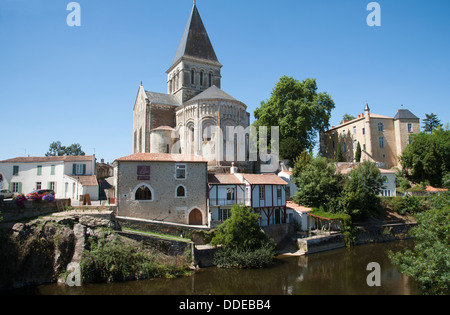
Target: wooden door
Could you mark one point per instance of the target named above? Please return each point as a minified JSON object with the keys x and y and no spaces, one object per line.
{"x":195,"y":217}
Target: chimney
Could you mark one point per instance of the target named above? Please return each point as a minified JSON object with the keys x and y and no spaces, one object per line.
{"x":233,"y":169}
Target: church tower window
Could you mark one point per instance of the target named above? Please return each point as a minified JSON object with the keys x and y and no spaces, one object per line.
{"x":210,"y":79}
{"x":192,"y":76}
{"x":201,"y":78}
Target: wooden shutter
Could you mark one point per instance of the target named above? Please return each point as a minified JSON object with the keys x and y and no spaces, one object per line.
{"x":20,"y":188}
{"x":74,"y":169}
{"x":84,"y":169}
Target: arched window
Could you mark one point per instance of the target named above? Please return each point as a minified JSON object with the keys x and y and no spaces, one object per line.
{"x":192,"y":76}
{"x":181,"y":192}
{"x":201,"y":78}
{"x":143,"y":193}
{"x":210,"y":79}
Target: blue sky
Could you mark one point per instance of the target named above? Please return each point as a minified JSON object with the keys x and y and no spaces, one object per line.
{"x":78,"y":84}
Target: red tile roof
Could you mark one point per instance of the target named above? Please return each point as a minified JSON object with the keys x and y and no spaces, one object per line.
{"x":224,"y":179}
{"x":163,"y":157}
{"x":264,"y":179}
{"x":86,"y":180}
{"x":294,"y":206}
{"x":43,"y":159}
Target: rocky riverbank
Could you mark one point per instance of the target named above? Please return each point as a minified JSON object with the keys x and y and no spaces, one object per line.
{"x":41,"y":250}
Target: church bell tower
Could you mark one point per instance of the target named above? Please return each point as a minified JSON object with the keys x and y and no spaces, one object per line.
{"x":195,"y":67}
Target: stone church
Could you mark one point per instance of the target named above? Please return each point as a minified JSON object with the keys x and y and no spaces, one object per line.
{"x":185,"y":120}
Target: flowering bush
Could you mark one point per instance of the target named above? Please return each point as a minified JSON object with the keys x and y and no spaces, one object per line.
{"x":48,"y":197}
{"x":34,"y":197}
{"x":20,"y":200}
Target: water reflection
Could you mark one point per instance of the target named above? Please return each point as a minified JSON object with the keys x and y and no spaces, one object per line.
{"x":340,"y":272}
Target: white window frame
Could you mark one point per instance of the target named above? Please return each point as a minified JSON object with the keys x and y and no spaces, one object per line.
{"x":15,"y":187}
{"x":38,"y":185}
{"x":133,"y":196}
{"x":180,"y":167}
{"x":410,"y":128}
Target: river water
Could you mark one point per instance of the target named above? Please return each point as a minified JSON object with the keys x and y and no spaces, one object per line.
{"x":337,"y":272}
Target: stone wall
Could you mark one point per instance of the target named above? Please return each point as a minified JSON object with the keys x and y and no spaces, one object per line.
{"x":12,"y":212}
{"x":165,"y":206}
{"x":383,"y":233}
{"x":199,"y":236}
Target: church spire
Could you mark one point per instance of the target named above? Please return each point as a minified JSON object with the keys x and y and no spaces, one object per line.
{"x":195,"y":41}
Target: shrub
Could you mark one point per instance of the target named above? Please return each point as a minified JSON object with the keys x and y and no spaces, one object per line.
{"x":117,"y":261}
{"x":243,"y":243}
{"x":244,"y":258}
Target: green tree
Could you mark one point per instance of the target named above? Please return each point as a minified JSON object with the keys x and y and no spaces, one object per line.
{"x":301,"y":162}
{"x":431,"y":122}
{"x":358,"y":153}
{"x":241,"y":231}
{"x":347,"y":117}
{"x":428,"y":261}
{"x":339,"y":154}
{"x":360,"y":196}
{"x":318,"y":185}
{"x":289,"y":148}
{"x":57,"y":149}
{"x":298,"y":109}
{"x":428,"y":156}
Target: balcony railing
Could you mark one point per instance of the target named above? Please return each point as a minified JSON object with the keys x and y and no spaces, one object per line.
{"x":226,"y":202}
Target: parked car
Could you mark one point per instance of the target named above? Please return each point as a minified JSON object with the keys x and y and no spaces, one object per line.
{"x":41,"y":192}
{"x":6,"y":194}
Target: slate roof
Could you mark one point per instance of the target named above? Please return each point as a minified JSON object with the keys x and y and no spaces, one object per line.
{"x":195,"y":40}
{"x":405,"y":114}
{"x":162,"y":99}
{"x":213,"y":93}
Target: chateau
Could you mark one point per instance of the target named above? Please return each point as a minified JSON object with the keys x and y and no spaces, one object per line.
{"x":382,"y":138}
{"x":184,"y":120}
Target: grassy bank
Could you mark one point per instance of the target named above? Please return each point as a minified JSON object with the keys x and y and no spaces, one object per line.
{"x":122,"y":260}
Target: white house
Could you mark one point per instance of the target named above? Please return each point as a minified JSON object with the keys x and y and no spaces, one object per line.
{"x":288,"y":178}
{"x":389,"y":187}
{"x":69,"y":176}
{"x":265,"y":193}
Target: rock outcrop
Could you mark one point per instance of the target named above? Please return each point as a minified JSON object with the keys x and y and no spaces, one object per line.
{"x":41,"y":250}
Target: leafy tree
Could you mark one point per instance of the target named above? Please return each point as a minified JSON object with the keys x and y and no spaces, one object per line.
{"x":301,"y":162}
{"x":358,"y":153}
{"x":318,"y":185}
{"x":57,"y":149}
{"x":428,"y":261}
{"x":339,"y":154}
{"x":241,"y":230}
{"x":361,"y":192}
{"x":431,"y":122}
{"x":289,"y":148}
{"x":347,"y":117}
{"x":428,"y":156}
{"x":298,"y":109}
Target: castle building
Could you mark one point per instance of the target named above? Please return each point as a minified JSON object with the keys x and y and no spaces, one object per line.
{"x":382,"y":139}
{"x":184,"y":120}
